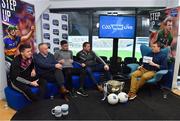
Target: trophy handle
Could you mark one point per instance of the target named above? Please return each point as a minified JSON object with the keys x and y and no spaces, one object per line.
{"x":105,"y":91}
{"x":122,"y":86}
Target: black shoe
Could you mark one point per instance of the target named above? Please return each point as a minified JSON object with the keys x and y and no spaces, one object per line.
{"x":73,"y":93}
{"x":82,"y":92}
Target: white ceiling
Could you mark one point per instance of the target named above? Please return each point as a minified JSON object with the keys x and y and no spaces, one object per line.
{"x":107,"y":3}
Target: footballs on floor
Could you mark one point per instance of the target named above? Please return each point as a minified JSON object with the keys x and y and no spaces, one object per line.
{"x":123,"y":97}
{"x":112,"y":99}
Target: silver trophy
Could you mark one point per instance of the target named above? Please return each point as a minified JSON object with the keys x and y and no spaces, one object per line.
{"x":112,"y":86}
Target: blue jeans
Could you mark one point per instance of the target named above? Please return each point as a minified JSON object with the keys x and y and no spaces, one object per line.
{"x":96,"y":68}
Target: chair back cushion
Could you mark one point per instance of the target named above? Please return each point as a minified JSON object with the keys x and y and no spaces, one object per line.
{"x":145,"y":50}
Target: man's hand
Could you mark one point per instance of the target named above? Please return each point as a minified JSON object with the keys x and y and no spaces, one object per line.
{"x":83,"y":64}
{"x":139,"y":67}
{"x":70,"y":60}
{"x":153,"y":64}
{"x":33,"y":73}
{"x":61,"y":61}
{"x":106,"y":67}
{"x":58,"y":66}
{"x":34,"y":83}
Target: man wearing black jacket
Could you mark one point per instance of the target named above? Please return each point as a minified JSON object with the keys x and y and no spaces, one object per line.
{"x":91,"y":62}
{"x":49,"y":69}
{"x":23,"y":75}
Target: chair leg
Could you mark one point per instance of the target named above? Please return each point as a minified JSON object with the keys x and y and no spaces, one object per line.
{"x":150,"y":88}
{"x":165,"y":92}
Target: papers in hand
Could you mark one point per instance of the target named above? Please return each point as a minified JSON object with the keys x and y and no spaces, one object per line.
{"x":146,"y":59}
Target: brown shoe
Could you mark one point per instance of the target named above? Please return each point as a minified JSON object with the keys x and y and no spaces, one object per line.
{"x":131,"y":96}
{"x":100,"y":88}
{"x":63,"y":90}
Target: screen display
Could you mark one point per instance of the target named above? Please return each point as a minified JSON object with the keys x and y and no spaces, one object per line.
{"x":117,"y":26}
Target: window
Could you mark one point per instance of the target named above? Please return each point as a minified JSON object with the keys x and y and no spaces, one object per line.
{"x":78,"y":30}
{"x":102,"y":47}
{"x":142,"y":34}
{"x":125,"y":48}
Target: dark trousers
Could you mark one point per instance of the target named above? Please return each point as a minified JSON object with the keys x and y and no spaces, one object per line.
{"x":68,"y":75}
{"x":68,"y":72}
{"x":89,"y":71}
{"x":54,"y":76}
{"x":26,"y":89}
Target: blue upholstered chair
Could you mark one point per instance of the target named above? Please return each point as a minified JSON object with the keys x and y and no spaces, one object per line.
{"x":17,"y":100}
{"x":144,"y":51}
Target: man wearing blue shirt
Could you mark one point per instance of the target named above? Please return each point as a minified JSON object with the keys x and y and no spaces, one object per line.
{"x":147,"y":70}
{"x":49,"y":69}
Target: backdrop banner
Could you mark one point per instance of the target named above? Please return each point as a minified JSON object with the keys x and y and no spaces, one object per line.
{"x":54,"y":29}
{"x":164,"y":29}
{"x":18,"y":24}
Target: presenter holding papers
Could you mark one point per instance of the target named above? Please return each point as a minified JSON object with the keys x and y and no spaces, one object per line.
{"x":147,"y":59}
{"x":152,"y":62}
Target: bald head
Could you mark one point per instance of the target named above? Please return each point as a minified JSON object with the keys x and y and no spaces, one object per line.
{"x":43,"y":48}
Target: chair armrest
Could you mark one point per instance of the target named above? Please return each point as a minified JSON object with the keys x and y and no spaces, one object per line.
{"x":163,"y":72}
{"x":133,"y":66}
{"x":158,"y":76}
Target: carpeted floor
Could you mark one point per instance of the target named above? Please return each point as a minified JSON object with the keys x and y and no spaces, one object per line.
{"x":145,"y":107}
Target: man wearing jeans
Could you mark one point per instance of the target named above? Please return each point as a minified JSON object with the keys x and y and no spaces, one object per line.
{"x":91,"y":62}
{"x":148,"y":70}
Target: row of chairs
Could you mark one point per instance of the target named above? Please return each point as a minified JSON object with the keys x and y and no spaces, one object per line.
{"x":127,"y":60}
{"x":121,"y":65}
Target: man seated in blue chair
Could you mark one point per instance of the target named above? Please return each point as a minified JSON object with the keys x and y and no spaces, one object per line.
{"x":23,"y":75}
{"x":158,"y":61}
{"x":90,"y":62}
{"x":65,"y":57}
{"x":49,"y":69}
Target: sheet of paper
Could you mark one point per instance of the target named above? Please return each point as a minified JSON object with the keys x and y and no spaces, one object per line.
{"x":146,"y":59}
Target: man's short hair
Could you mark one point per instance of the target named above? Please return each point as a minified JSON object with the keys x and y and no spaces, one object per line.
{"x":159,"y":44}
{"x":22,"y":47}
{"x":63,"y":42}
{"x":85,"y":43}
{"x":43,"y":43}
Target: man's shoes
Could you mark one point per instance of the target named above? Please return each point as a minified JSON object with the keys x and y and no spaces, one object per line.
{"x":63,"y":90}
{"x":82,"y":92}
{"x":131,"y":96}
{"x":73,"y":93}
{"x":100,"y":88}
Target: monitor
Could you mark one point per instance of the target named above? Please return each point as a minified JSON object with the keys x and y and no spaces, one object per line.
{"x":117,"y":26}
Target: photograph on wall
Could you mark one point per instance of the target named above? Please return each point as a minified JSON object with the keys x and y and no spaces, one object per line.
{"x":164,"y":29}
{"x":18,"y":24}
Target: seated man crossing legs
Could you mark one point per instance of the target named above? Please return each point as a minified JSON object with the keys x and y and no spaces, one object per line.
{"x":91,"y":62}
{"x":147,"y":70}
